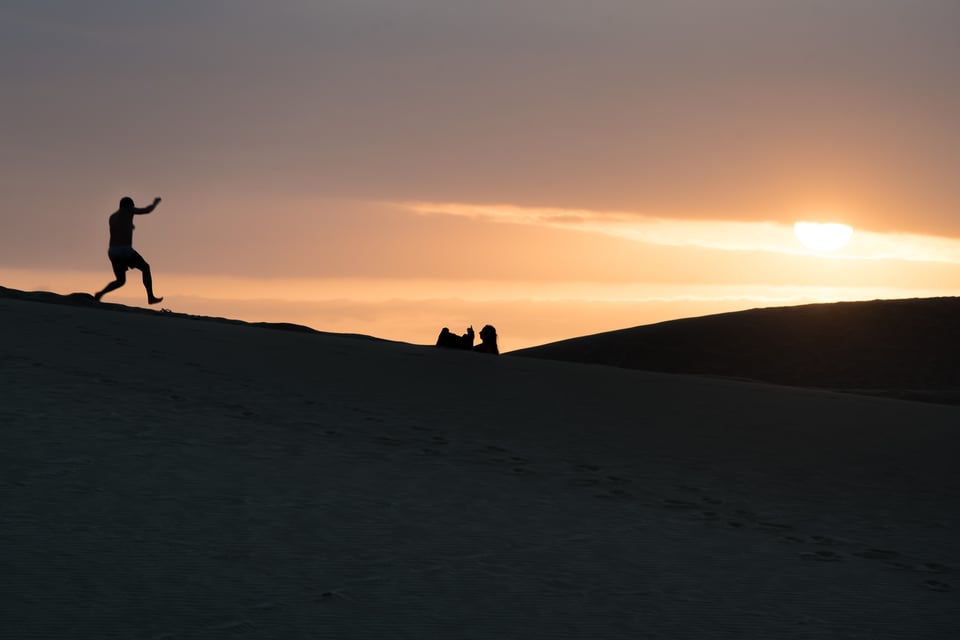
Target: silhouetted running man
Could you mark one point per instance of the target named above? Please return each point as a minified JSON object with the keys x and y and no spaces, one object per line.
{"x":121,"y":253}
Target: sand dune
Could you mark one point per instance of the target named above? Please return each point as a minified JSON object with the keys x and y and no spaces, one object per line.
{"x":173,"y":477}
{"x":898,"y":348}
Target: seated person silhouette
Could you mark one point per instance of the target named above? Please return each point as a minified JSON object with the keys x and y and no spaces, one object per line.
{"x":488,"y":341}
{"x":453,"y":341}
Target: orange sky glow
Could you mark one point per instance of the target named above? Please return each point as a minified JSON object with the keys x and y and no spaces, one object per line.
{"x":620,"y":271}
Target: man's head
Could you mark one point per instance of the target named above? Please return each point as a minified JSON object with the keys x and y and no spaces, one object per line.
{"x":126,"y":202}
{"x":488,"y":333}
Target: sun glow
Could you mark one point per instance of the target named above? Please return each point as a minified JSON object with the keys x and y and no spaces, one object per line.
{"x":823,"y":236}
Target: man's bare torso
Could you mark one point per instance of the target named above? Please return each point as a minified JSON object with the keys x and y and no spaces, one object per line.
{"x":121,"y":228}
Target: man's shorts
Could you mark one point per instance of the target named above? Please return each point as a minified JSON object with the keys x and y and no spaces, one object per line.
{"x":123,"y":257}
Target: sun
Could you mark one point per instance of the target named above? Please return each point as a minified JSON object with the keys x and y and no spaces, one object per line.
{"x":823,"y":236}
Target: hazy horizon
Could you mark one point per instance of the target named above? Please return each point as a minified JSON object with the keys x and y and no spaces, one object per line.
{"x":552,"y":168}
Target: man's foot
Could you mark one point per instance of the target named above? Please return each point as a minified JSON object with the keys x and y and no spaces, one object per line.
{"x":154,"y":300}
{"x":98,"y":295}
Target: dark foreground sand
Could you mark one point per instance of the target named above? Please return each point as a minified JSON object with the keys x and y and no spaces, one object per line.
{"x":163,"y":477}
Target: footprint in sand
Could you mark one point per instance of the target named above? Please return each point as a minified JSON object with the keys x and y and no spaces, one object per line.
{"x":926,"y":567}
{"x":233,"y":626}
{"x":822,"y":556}
{"x":937,"y":585}
{"x":293,"y":450}
{"x":679,"y":504}
{"x":876,"y":554}
{"x":615,"y":493}
{"x":932,"y":567}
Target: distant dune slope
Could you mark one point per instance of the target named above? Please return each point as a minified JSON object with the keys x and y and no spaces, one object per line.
{"x":904,"y":348}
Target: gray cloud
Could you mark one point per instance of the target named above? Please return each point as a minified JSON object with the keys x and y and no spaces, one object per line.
{"x":743,"y":109}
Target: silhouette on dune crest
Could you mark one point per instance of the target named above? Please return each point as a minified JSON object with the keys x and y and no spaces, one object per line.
{"x":450,"y":340}
{"x":488,"y":341}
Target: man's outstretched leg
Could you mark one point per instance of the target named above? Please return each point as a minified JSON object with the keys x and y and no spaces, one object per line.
{"x":148,"y":284}
{"x":121,"y":279}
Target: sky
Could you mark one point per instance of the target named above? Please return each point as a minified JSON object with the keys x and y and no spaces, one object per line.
{"x":553,"y":167}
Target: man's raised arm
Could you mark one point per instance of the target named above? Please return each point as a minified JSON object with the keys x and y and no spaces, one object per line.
{"x":147,"y":209}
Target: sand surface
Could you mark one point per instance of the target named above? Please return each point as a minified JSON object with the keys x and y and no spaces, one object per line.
{"x":164,"y":477}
